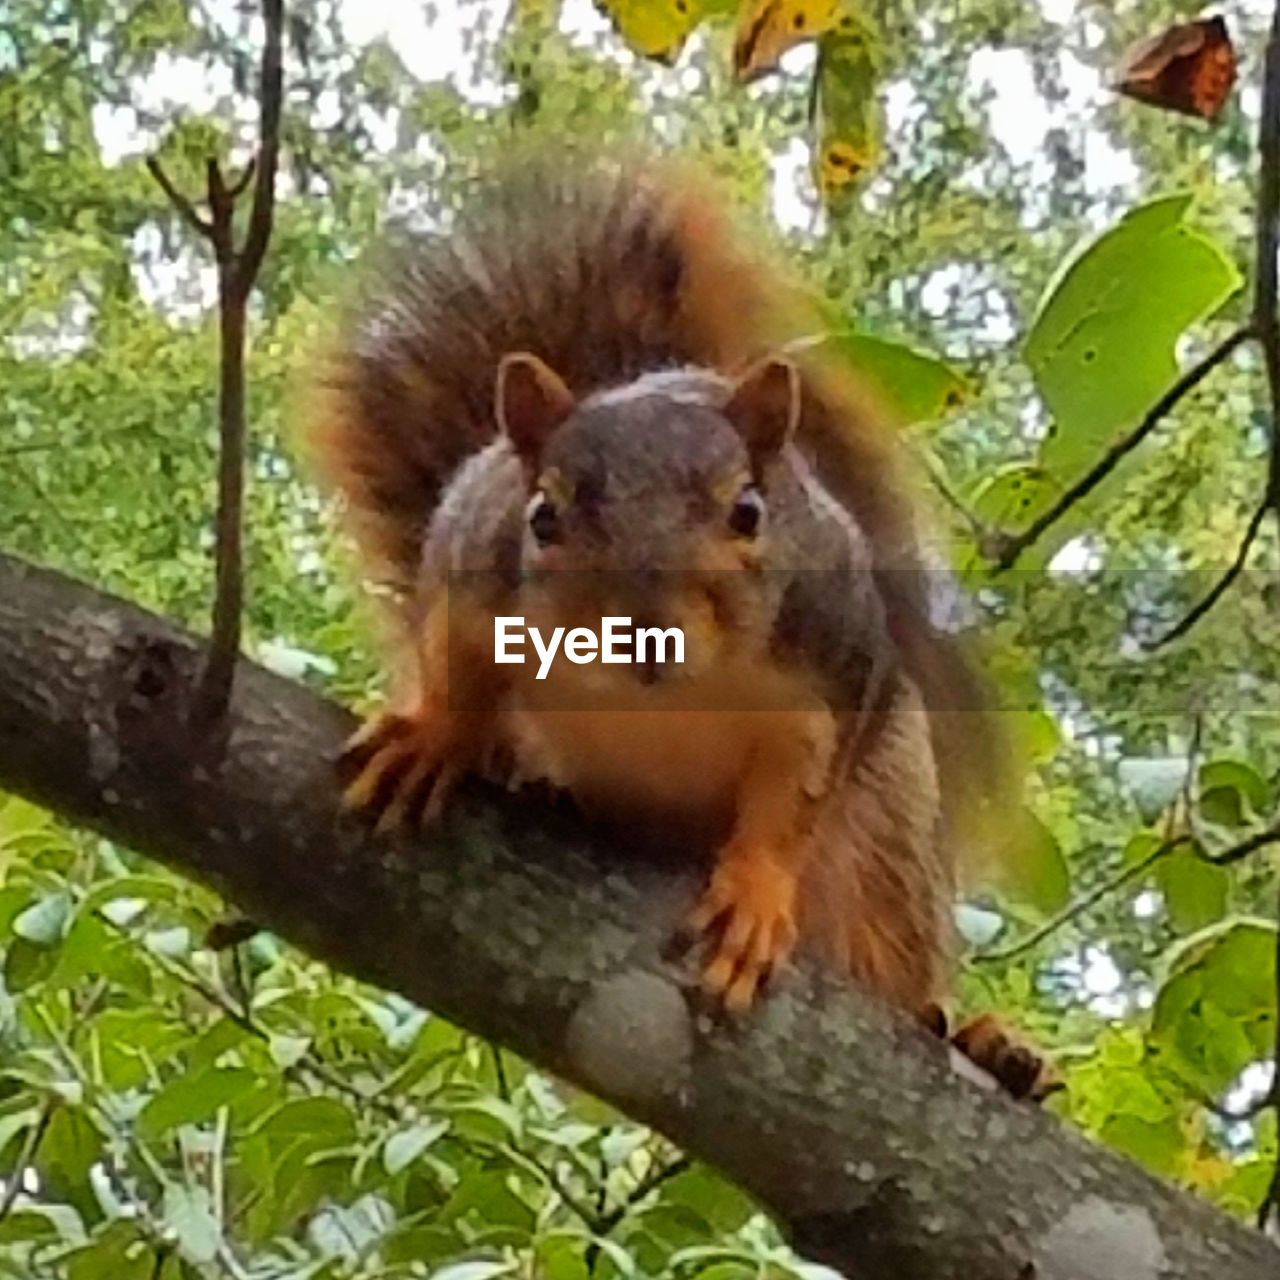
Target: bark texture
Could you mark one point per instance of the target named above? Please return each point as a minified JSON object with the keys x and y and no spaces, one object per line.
{"x":850,"y":1127}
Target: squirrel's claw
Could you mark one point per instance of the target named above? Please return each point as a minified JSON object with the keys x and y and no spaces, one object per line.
{"x":750,"y":905}
{"x":399,"y":773}
{"x":1015,"y":1065}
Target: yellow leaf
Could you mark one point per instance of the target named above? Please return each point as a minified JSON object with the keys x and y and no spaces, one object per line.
{"x":848,"y":106}
{"x":657,"y":29}
{"x":768,"y":28}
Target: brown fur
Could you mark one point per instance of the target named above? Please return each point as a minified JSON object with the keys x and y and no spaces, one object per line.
{"x":808,"y":735}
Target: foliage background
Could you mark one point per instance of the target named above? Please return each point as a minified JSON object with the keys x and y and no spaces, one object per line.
{"x":167,"y":1111}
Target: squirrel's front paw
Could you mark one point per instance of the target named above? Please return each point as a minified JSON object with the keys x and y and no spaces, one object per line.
{"x":401,"y":770}
{"x":748,"y":911}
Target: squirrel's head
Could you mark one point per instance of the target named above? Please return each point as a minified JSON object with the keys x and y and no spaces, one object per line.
{"x":652,"y":500}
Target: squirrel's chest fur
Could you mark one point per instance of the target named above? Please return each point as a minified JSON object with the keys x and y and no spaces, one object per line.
{"x":675,"y":750}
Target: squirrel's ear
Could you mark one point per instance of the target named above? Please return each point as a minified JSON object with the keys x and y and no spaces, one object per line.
{"x":531,"y":401}
{"x":764,"y":406}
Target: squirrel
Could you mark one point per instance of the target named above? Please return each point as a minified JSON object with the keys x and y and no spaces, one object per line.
{"x":585,"y":401}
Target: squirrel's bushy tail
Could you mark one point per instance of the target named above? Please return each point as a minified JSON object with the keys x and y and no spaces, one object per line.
{"x":606,"y":268}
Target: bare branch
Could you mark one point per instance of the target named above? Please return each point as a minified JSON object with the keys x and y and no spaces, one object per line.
{"x":236,"y":275}
{"x":1219,"y":588}
{"x":177,"y":199}
{"x":1184,"y":839}
{"x":1074,"y":910}
{"x":270,"y":97}
{"x":1012,"y":546}
{"x":241,"y":184}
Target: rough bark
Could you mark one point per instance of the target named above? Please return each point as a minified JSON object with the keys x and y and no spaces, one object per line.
{"x":849,"y":1126}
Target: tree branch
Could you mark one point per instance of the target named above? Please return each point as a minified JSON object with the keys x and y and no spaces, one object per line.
{"x":1219,"y":588}
{"x":263,"y":168}
{"x":1091,"y":897}
{"x":850,"y":1126}
{"x":177,"y":199}
{"x":236,"y":275}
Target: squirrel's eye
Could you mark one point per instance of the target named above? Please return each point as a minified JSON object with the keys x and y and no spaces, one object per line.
{"x":544,"y":520}
{"x":747,"y":513}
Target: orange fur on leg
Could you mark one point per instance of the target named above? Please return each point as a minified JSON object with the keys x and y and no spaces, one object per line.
{"x":403,"y":765}
{"x":750,"y":904}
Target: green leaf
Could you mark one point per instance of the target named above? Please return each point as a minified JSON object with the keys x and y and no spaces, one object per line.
{"x":117,"y":1253}
{"x":16,"y":1122}
{"x":720,"y":1204}
{"x":1231,"y":792}
{"x":906,"y":385}
{"x":58,"y":1222}
{"x":288,"y":1051}
{"x":192,"y":1098}
{"x":44,"y":922}
{"x":1011,"y":497}
{"x":172,"y":943}
{"x":320,"y":1120}
{"x":1101,"y":347}
{"x":1195,"y":891}
{"x":478,"y":1270}
{"x":20,"y":819}
{"x":403,"y":1148}
{"x":487,"y":1120}
{"x":1140,"y":846}
{"x":1030,"y":867}
{"x":487,"y":1198}
{"x":657,"y":29}
{"x":188,"y":1213}
{"x":72,"y":1145}
{"x":1215,"y":1011}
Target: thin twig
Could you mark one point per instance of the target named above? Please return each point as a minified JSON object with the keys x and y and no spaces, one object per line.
{"x":1234,"y":853}
{"x":1238,"y":852}
{"x":1263,"y":325}
{"x":26,"y":1156}
{"x":241,"y":184}
{"x":980,"y":530}
{"x":646,"y":1186}
{"x":551,"y":1176}
{"x":500,"y":1071}
{"x":1219,"y":588}
{"x":1012,"y":546}
{"x":177,"y":199}
{"x":236,"y":275}
{"x":1082,"y":904}
{"x":270,"y":99}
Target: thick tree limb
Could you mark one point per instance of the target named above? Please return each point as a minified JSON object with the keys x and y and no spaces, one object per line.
{"x":851,"y":1127}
